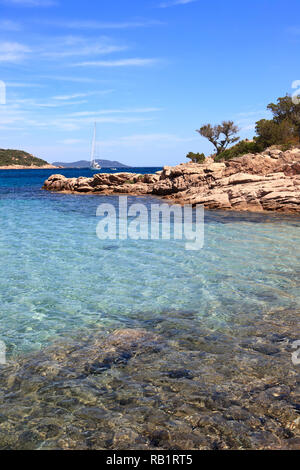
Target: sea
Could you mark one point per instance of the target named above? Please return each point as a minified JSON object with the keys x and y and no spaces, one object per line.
{"x":212,"y":366}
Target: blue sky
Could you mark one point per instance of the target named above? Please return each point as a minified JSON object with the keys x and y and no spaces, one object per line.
{"x":149,"y":72}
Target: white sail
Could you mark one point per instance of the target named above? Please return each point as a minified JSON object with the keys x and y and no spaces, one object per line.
{"x":93,"y":145}
{"x":94,"y":164}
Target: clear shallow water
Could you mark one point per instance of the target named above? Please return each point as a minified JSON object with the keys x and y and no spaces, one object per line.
{"x":56,"y":275}
{"x":216,"y":312}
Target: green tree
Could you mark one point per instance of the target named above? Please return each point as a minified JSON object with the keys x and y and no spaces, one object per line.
{"x":273,"y":132}
{"x":221,"y":136}
{"x":286,"y":108}
{"x":196,"y":157}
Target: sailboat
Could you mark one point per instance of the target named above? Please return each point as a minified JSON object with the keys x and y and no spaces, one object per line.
{"x":94,"y":164}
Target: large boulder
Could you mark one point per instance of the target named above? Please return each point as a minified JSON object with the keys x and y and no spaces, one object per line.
{"x":267,"y":181}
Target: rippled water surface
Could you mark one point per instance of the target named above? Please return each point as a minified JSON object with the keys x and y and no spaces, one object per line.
{"x":206,"y":362}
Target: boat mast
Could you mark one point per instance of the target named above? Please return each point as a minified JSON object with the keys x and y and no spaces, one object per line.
{"x":94,"y":145}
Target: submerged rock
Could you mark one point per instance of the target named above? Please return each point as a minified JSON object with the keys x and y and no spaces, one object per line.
{"x":137,"y":389}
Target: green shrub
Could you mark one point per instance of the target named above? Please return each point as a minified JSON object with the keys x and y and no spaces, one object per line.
{"x":287,"y":146}
{"x":196,"y":157}
{"x":271,"y":132}
{"x":283,"y":131}
{"x":240,"y":149}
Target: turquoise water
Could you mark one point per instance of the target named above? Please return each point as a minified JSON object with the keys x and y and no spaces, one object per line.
{"x":56,"y":276}
{"x":141,"y":344}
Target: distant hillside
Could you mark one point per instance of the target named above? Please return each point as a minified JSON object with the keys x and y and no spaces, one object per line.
{"x":19,"y":157}
{"x":86,"y":164}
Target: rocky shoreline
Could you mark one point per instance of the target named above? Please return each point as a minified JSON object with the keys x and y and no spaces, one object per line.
{"x":33,"y":167}
{"x":262,"y":182}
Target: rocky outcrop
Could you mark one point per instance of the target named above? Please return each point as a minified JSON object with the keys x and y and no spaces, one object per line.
{"x":263,"y":182}
{"x":32,"y":167}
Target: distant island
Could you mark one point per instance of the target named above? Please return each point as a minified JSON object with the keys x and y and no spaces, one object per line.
{"x":11,"y":159}
{"x":18,"y":159}
{"x":86,"y":164}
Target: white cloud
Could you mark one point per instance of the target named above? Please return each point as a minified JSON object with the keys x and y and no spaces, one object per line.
{"x":85,"y":50}
{"x":90,"y":24}
{"x":8,"y":25}
{"x":115,"y":111}
{"x":175,"y":2}
{"x":23,"y":85}
{"x":60,"y":48}
{"x":250,"y":127}
{"x":140,"y":140}
{"x":71,"y":141}
{"x":74,"y":124}
{"x":64,"y":47}
{"x":10,"y":115}
{"x":70,"y":79}
{"x":28,"y":117}
{"x":118,"y":63}
{"x":137,"y":140}
{"x":60,"y":104}
{"x":81,"y":95}
{"x":252,"y":113}
{"x":247,"y":120}
{"x":30,"y":103}
{"x":13,"y":51}
{"x":112,"y":120}
{"x":294,"y":30}
{"x":31,"y":3}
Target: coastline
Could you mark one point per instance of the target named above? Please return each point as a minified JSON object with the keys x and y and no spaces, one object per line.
{"x":34,"y":167}
{"x":145,"y":346}
{"x":254,"y":182}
